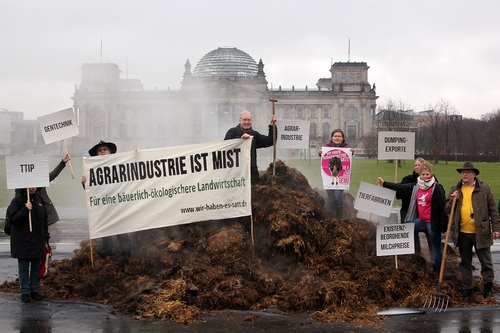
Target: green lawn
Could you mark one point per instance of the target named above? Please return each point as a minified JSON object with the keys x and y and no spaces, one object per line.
{"x":67,"y":191}
{"x":367,"y":170}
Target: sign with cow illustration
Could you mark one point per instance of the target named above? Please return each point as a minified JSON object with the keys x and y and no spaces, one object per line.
{"x":336,"y":168}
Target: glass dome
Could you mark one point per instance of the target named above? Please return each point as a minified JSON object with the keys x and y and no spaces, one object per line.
{"x":226,"y":62}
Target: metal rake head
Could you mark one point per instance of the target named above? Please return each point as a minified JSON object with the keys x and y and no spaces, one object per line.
{"x":438,"y":302}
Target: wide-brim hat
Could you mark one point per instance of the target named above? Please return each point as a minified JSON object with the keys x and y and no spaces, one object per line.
{"x":468,"y":166}
{"x":110,"y":145}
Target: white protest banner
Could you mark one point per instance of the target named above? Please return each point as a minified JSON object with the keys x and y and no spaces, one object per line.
{"x":396,"y":145}
{"x":58,"y":126}
{"x":374,"y":199}
{"x":292,"y":134}
{"x":25,"y":171}
{"x":153,"y":188}
{"x":336,"y":168}
{"x":395,"y":239}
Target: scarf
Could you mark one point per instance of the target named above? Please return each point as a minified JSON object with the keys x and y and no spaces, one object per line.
{"x":426,"y":184}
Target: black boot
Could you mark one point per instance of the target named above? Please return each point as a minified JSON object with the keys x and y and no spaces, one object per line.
{"x":487,"y":289}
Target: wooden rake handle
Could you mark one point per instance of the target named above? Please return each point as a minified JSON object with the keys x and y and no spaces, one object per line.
{"x":450,"y":221}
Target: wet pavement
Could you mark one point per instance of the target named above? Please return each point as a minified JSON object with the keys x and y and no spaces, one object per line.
{"x":70,"y":316}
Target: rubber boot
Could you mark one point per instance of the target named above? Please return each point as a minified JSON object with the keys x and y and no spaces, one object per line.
{"x":339,"y":211}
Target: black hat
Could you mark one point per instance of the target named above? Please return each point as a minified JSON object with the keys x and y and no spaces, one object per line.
{"x":468,"y":166}
{"x":110,"y":145}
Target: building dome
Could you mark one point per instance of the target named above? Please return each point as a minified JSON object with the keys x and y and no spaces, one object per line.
{"x":226,"y":62}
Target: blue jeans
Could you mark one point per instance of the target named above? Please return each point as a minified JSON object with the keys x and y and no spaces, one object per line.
{"x":29,"y":282}
{"x":335,"y":199}
{"x":433,"y":237}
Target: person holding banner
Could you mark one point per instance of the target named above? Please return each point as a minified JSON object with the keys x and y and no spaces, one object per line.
{"x":475,"y":224}
{"x":28,"y":236}
{"x":335,"y":197}
{"x":426,"y":208}
{"x":244,"y":130}
{"x":103,"y":148}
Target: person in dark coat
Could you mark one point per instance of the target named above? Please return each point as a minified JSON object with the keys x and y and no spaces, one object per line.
{"x":28,"y":245}
{"x":405,"y":198}
{"x":244,"y":130}
{"x":100,"y":149}
{"x":52,"y":215}
{"x":426,"y":209}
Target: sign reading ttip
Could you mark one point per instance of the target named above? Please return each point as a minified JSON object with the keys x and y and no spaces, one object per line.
{"x":153,"y":188}
{"x":25,"y":171}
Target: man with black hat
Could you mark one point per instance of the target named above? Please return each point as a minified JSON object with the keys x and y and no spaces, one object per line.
{"x":100,"y":149}
{"x":475,"y":224}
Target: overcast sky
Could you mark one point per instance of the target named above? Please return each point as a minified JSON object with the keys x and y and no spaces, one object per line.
{"x":418,"y":53}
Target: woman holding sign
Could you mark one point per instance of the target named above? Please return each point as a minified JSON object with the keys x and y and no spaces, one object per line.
{"x":335,"y":197}
{"x":28,"y":235}
{"x":426,"y":208}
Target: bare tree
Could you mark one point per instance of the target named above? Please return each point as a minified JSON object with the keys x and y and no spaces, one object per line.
{"x":439,"y":122}
{"x":492,"y":145}
{"x":369,"y":142}
{"x":394,"y":116}
{"x":473,"y":130}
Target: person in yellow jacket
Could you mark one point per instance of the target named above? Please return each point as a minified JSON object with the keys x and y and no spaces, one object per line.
{"x":475,"y":224}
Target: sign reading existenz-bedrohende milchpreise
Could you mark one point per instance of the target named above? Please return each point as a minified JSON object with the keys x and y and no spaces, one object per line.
{"x":396,"y":145}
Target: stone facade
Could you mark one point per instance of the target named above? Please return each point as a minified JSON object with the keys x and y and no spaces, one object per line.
{"x":225,"y":82}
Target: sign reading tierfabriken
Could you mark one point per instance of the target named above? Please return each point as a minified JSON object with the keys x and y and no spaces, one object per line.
{"x":396,"y":145}
{"x":58,"y":126}
{"x":25,"y":171}
{"x":374,"y":199}
{"x":153,"y":188}
{"x":395,"y":239}
{"x":292,"y":134}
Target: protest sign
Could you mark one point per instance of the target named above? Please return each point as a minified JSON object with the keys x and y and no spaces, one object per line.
{"x":25,"y":171}
{"x":153,"y":188}
{"x":396,"y":145}
{"x":395,"y":239}
{"x":293,"y":134}
{"x":336,"y":168}
{"x":58,"y":126}
{"x":374,"y":199}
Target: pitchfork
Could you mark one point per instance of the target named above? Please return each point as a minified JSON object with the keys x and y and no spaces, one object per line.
{"x":439,"y":301}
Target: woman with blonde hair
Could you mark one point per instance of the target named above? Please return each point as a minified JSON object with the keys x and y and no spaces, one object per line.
{"x":426,"y":208}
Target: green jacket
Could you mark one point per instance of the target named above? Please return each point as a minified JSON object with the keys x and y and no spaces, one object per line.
{"x":486,"y":216}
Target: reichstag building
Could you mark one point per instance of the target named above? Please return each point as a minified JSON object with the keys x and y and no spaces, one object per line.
{"x":212,"y":95}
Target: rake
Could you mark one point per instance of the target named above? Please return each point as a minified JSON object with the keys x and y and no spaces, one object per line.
{"x":439,"y":301}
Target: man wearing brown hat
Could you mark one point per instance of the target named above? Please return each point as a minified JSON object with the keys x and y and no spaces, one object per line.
{"x":475,"y":224}
{"x":100,"y":149}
